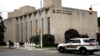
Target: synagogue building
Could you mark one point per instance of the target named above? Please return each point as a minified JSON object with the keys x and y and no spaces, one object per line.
{"x":23,"y":23}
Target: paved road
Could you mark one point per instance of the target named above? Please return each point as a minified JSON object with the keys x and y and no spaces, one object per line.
{"x":20,"y":52}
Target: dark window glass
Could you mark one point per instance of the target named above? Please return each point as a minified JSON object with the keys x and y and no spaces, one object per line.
{"x":17,"y":32}
{"x":99,"y":22}
{"x":90,"y":41}
{"x":22,"y":31}
{"x":31,"y":27}
{"x":26,"y":31}
{"x":76,"y":41}
{"x":36,"y":22}
{"x":42,"y":25}
{"x":73,"y":41}
{"x":48,"y":20}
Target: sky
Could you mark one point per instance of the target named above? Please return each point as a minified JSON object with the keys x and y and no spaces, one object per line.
{"x":9,"y":5}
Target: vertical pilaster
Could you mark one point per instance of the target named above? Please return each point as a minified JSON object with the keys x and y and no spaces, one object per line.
{"x":24,"y":28}
{"x":28,"y":27}
{"x":19,"y":22}
{"x":21,"y":30}
{"x":14,"y":22}
{"x":33,"y":24}
{"x":44,"y":16}
{"x":38,"y":20}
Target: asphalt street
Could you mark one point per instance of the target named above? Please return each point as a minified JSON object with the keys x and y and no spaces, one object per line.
{"x":21,"y":52}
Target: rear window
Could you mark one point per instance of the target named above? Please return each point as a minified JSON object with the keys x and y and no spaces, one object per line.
{"x":90,"y":41}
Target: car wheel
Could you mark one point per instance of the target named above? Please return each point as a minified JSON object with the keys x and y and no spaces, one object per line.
{"x":61,"y":49}
{"x":83,"y":51}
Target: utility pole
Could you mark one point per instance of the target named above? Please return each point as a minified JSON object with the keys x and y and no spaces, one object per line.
{"x":41,"y":25}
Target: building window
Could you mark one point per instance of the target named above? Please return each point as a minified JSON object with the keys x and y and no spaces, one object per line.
{"x":17,"y":19}
{"x":17,"y":32}
{"x":48,"y":22}
{"x":21,"y":18}
{"x":36,"y":22}
{"x":22,"y":31}
{"x":42,"y":25}
{"x":31,"y":27}
{"x":25,"y":17}
{"x":99,"y":22}
{"x":26,"y":31}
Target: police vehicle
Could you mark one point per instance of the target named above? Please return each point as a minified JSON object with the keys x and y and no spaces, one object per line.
{"x":82,"y":45}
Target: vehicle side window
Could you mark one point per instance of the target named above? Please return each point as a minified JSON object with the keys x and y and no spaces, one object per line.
{"x":70,"y":41}
{"x":90,"y":41}
{"x":73,"y":41}
{"x":76,"y":41}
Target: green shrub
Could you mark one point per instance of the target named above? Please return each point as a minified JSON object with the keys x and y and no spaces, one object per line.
{"x":47,"y":39}
{"x":84,"y":36}
{"x":35,"y":39}
{"x":2,"y":43}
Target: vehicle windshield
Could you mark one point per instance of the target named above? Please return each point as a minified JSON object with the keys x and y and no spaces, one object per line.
{"x":90,"y":41}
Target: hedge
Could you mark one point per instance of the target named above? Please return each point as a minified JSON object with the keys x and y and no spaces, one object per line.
{"x":47,"y":39}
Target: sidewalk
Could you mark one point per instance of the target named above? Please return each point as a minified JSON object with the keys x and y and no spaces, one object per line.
{"x":46,"y":49}
{"x":37,"y":48}
{"x":5,"y":47}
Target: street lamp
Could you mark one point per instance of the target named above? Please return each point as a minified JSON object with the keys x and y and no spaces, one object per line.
{"x":41,"y":25}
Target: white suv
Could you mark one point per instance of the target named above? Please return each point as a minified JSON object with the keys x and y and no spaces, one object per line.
{"x":83,"y":45}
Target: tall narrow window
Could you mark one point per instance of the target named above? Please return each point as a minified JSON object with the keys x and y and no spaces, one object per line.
{"x":48,"y":22}
{"x":26,"y":31}
{"x":17,"y":19}
{"x":17,"y":32}
{"x":42,"y":26}
{"x":22,"y":31}
{"x":36,"y":22}
{"x":31,"y":27}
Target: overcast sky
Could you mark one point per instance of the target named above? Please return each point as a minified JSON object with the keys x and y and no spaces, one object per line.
{"x":10,"y":5}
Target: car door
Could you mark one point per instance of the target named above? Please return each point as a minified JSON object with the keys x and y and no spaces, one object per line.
{"x":68,"y":44}
{"x":73,"y":44}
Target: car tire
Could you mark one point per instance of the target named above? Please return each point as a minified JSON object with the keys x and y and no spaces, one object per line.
{"x":83,"y":51}
{"x":61,"y":49}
